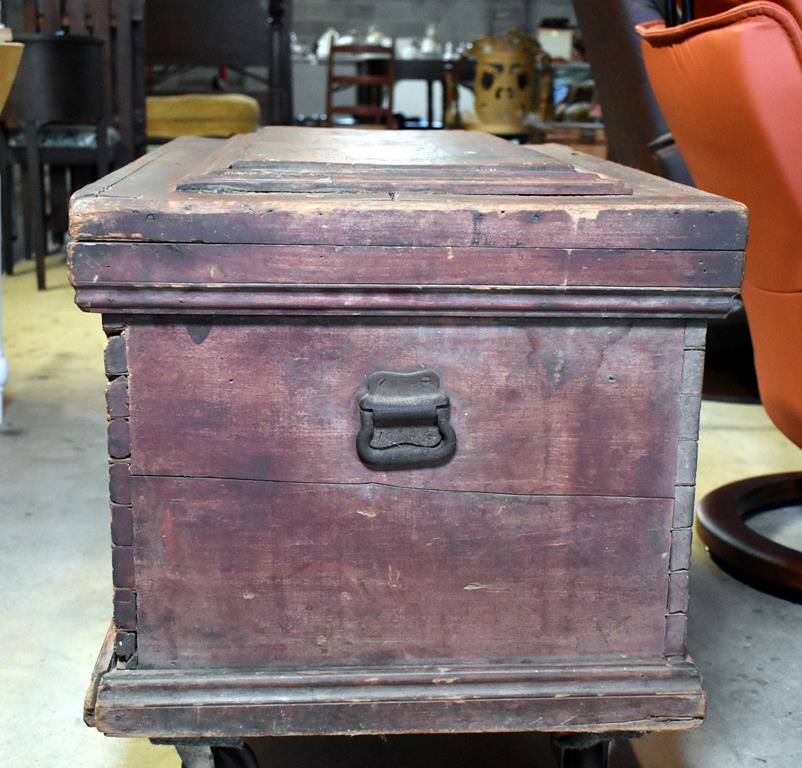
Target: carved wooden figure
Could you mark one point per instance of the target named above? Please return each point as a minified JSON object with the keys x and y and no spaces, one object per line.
{"x":402,"y":437}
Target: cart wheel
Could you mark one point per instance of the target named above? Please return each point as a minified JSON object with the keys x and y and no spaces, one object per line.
{"x":218,"y":757}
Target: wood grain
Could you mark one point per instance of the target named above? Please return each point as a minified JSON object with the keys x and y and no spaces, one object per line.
{"x":683,"y":506}
{"x":113,"y":325}
{"x":678,"y":592}
{"x":295,"y":159}
{"x":291,"y":159}
{"x":125,"y":609}
{"x":103,"y":663}
{"x":120,"y":482}
{"x":266,"y":581}
{"x":140,"y":203}
{"x":119,"y":439}
{"x":409,"y":301}
{"x":415,"y":223}
{"x":117,"y":398}
{"x":119,"y":449}
{"x":323,"y":574}
{"x":122,"y":567}
{"x":676,"y":634}
{"x":680,"y":549}
{"x":122,"y":525}
{"x":553,"y":408}
{"x":116,"y":356}
{"x":682,"y":519}
{"x":575,"y":697}
{"x":152,"y":264}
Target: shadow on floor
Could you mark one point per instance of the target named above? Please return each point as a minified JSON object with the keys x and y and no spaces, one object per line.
{"x":433,"y":751}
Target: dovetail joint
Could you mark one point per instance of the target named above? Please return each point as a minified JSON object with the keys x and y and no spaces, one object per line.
{"x":122,"y":532}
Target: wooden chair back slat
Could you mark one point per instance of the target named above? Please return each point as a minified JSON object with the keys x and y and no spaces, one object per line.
{"x":123,"y":64}
{"x":75,"y":16}
{"x":30,"y":16}
{"x":382,"y":82}
{"x":98,"y":22}
{"x":50,"y":17}
{"x":99,"y":18}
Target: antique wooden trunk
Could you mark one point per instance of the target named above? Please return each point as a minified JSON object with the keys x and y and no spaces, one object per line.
{"x":402,"y":434}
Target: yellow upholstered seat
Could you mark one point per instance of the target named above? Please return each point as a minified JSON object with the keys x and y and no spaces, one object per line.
{"x":219,"y":114}
{"x":10,"y":56}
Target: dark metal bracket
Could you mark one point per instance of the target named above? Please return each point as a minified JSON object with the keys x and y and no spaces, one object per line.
{"x":405,"y":421}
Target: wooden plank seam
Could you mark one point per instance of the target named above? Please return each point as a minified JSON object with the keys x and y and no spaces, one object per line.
{"x":122,"y":534}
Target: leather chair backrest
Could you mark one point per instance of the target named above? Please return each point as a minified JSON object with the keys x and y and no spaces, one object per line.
{"x":632,"y":117}
{"x":730,"y":86}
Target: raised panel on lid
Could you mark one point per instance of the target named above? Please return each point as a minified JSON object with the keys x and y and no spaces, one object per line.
{"x":281,"y":159}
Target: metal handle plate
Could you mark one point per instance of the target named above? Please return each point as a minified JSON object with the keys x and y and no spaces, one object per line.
{"x":405,"y":421}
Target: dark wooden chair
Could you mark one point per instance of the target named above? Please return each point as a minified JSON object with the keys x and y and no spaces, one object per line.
{"x":56,"y":115}
{"x":280,"y":110}
{"x":374,"y":82}
{"x":120,"y":24}
{"x":429,"y":71}
{"x":235,"y":35}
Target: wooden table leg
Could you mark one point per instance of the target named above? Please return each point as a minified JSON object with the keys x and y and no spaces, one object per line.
{"x":34,"y":209}
{"x":429,"y":104}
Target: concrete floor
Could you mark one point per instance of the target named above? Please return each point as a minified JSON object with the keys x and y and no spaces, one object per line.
{"x":55,"y":577}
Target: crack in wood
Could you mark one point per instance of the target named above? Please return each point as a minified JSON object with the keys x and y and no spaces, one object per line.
{"x":371,"y":483}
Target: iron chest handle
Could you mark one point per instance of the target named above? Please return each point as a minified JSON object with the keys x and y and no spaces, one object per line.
{"x":405,"y":421}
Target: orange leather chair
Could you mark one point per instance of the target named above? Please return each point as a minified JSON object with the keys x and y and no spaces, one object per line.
{"x":730,"y":87}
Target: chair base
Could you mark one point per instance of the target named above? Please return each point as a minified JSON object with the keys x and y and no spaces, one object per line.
{"x":721,"y":523}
